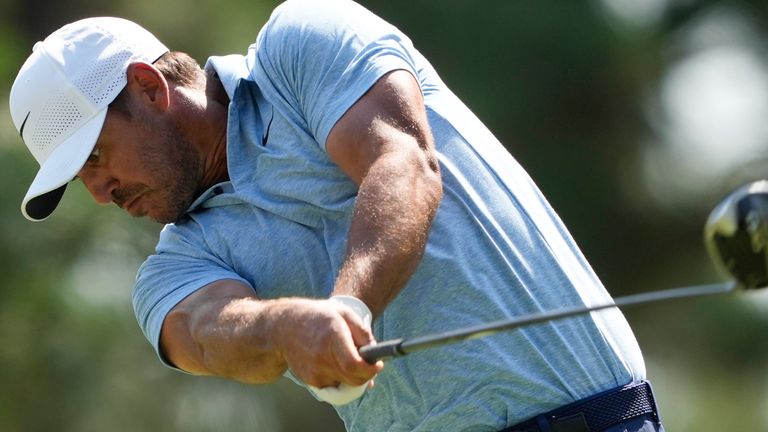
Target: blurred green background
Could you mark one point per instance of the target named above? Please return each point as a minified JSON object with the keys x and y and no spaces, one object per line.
{"x":634,"y":116}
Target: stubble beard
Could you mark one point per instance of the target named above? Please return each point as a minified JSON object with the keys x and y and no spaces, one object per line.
{"x":175,"y":164}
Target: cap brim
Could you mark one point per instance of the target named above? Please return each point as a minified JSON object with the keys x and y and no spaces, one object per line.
{"x":61,"y":166}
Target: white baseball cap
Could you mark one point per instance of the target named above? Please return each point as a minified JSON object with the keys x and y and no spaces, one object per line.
{"x":59,"y":99}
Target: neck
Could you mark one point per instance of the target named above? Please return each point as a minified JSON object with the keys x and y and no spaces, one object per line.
{"x":215,"y":170}
{"x":216,"y":113}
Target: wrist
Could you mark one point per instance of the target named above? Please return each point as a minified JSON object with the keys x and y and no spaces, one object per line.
{"x":285,"y":316}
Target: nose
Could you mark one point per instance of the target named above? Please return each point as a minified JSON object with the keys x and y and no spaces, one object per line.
{"x":99,"y":183}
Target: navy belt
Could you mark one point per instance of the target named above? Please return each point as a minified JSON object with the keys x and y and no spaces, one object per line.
{"x":597,"y":412}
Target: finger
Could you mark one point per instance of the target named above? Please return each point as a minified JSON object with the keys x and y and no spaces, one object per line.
{"x":361,"y":336}
{"x":352,"y":367}
{"x":317,"y":374}
{"x":314,"y":361}
{"x":361,"y":333}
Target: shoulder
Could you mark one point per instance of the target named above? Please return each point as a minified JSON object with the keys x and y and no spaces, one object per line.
{"x":316,"y":12}
{"x":296,"y":20}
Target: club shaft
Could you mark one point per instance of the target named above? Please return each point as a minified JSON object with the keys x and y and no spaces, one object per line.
{"x":401,"y":347}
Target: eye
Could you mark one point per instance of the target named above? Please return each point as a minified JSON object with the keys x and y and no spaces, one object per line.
{"x":94,"y":156}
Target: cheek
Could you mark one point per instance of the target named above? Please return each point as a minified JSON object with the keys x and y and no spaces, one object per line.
{"x":154,"y":157}
{"x":125,"y":153}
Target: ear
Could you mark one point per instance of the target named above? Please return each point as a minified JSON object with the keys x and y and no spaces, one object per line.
{"x":148,"y":84}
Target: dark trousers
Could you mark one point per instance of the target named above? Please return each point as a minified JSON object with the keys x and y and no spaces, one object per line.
{"x":629,"y":408}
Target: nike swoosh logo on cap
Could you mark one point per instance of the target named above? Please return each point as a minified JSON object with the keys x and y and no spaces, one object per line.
{"x":24,"y":123}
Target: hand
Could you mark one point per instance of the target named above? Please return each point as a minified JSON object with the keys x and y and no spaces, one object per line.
{"x":319,"y":341}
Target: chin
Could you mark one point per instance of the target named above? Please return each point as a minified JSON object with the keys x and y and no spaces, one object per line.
{"x":162,"y":219}
{"x":163,"y":211}
{"x":165,"y":216}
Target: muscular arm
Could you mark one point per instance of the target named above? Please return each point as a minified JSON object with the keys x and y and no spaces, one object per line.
{"x":224,"y":330}
{"x":384,"y":144}
{"x":207,"y":334}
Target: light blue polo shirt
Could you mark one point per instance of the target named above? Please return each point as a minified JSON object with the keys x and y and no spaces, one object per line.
{"x":496,"y":248}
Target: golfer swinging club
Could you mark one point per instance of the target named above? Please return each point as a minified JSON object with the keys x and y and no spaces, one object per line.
{"x":321,"y":192}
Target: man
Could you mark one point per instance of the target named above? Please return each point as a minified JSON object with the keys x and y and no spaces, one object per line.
{"x":327,"y":177}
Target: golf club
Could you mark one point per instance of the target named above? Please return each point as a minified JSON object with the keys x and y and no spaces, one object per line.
{"x":736,"y":238}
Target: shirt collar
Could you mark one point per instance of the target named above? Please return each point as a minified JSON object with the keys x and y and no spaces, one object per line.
{"x":219,"y":195}
{"x":230,"y":69}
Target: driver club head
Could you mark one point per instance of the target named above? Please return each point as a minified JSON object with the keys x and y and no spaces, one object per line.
{"x":736,"y":235}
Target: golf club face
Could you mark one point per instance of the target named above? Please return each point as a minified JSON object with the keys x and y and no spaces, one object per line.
{"x":736,"y":235}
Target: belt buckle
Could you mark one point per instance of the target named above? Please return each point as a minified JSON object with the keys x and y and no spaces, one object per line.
{"x":572,"y":423}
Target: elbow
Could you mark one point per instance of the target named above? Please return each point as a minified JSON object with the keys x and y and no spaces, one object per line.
{"x":177,"y":346}
{"x":436,"y":182}
{"x":432,"y":178}
{"x":434,"y":192}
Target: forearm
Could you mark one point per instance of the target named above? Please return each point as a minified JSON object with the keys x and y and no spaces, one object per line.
{"x":229,"y":337}
{"x":223,"y":330}
{"x":396,"y":203}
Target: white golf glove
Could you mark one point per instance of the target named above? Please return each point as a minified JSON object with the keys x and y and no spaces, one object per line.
{"x":343,"y":393}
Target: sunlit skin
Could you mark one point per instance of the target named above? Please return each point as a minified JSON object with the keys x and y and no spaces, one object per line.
{"x":172,"y":147}
{"x":155,"y":162}
{"x":383,"y":143}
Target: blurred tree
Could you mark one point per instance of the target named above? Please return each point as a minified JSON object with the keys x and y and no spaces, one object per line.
{"x":565,"y":85}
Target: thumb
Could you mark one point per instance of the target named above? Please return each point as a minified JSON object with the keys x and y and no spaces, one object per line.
{"x":359,"y":321}
{"x":360,"y":331}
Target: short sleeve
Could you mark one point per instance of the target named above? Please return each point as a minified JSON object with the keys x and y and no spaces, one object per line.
{"x":180,"y":266}
{"x":315,"y":59}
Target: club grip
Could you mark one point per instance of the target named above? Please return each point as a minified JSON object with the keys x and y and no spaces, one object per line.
{"x":380,"y":351}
